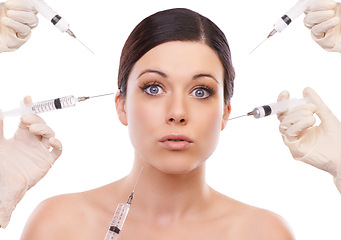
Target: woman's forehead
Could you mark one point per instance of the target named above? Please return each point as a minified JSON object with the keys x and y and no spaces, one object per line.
{"x":180,"y":58}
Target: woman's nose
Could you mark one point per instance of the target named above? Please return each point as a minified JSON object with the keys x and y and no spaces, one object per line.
{"x":177,"y":120}
{"x":177,"y":113}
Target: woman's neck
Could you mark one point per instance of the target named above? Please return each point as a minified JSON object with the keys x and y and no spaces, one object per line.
{"x":167,"y":197}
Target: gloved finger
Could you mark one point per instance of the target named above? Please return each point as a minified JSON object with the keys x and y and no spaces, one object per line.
{"x":293,"y":119}
{"x":305,"y":110}
{"x":28,"y":120}
{"x":57,"y":148}
{"x":42,"y":130}
{"x":20,"y":5}
{"x":43,"y":133}
{"x":296,"y":115}
{"x":322,"y":111}
{"x":21,"y":29}
{"x":293,"y":133}
{"x":27,"y":100}
{"x":319,"y":30}
{"x":28,"y":18}
{"x":320,"y":5}
{"x":25,"y":122}
{"x":284,"y":95}
{"x":313,"y":18}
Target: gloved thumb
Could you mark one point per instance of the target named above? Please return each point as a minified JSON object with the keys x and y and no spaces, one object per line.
{"x":321,"y":5}
{"x":27,"y":100}
{"x":322,"y":111}
{"x":284,"y":95}
{"x":19,"y":5}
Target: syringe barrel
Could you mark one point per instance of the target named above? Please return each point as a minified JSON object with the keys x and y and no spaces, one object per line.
{"x":291,"y":15}
{"x":50,"y":14}
{"x":278,"y":107}
{"x":117,"y":221}
{"x":49,"y":105}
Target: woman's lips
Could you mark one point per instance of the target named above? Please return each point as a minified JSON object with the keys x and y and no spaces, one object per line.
{"x":176,"y":142}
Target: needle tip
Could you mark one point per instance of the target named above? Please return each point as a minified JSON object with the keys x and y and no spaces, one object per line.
{"x":85,"y":46}
{"x":238,"y":117}
{"x":258,"y":45}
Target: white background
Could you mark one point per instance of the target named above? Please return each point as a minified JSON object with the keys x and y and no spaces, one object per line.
{"x":251,"y":163}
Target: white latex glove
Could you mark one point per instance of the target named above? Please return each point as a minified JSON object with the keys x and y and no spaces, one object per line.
{"x":24,"y":160}
{"x":319,"y":146}
{"x":17,"y":18}
{"x":323,"y":18}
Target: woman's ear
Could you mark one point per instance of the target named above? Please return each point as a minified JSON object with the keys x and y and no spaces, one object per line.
{"x":120,"y":108}
{"x":226,"y":114}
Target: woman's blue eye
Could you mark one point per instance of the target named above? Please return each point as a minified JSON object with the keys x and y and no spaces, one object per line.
{"x":153,"y":90}
{"x":201,"y":93}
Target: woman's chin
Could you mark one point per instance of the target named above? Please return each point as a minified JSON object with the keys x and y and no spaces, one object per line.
{"x":175,"y":167}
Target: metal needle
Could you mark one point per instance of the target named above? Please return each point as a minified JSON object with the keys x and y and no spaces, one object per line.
{"x":138,"y":178}
{"x":132,"y":193}
{"x":258,"y":45}
{"x":85,"y":46}
{"x":102,"y":95}
{"x":238,"y":117}
{"x":80,"y":99}
{"x":252,"y":113}
{"x":74,"y":36}
{"x":270,"y":35}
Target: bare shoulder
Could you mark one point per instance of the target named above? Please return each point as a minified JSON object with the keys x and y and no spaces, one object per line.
{"x":64,"y":217}
{"x":51,"y":216}
{"x":243,"y":221}
{"x":265,"y":225}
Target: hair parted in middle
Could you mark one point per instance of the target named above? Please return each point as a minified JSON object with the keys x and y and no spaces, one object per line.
{"x":177,"y":24}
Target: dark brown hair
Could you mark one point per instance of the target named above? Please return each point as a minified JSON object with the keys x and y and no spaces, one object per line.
{"x":177,"y":24}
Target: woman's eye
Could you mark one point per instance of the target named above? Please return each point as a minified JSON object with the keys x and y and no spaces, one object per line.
{"x":153,"y":90}
{"x":201,"y":93}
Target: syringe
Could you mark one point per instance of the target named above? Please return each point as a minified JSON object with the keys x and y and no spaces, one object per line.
{"x":120,"y":216}
{"x":274,"y":108}
{"x":287,"y":18}
{"x":55,"y":18}
{"x":45,"y":106}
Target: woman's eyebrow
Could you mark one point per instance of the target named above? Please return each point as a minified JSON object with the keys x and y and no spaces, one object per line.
{"x":162,"y":74}
{"x":200,"y":75}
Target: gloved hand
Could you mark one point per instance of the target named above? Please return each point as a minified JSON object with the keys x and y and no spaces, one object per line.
{"x":323,"y":18}
{"x":24,"y":160}
{"x":17,"y":18}
{"x":319,"y":146}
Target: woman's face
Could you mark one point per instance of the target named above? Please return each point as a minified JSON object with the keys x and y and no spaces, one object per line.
{"x":174,"y":107}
